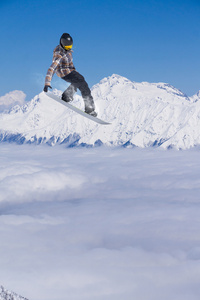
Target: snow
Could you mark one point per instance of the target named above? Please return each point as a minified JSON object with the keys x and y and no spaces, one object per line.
{"x":142,"y":114}
{"x":99,"y":223}
{"x":7,"y":295}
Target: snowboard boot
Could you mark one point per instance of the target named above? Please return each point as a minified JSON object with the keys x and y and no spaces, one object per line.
{"x":68,"y":94}
{"x":91,"y":112}
{"x":67,"y":98}
{"x":89,"y":106}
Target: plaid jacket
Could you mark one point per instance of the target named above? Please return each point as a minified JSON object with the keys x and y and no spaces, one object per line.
{"x":62,"y":64}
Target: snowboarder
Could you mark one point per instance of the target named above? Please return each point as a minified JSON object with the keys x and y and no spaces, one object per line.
{"x":63,"y":66}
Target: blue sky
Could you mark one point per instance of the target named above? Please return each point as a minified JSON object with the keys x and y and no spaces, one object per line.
{"x":146,"y":40}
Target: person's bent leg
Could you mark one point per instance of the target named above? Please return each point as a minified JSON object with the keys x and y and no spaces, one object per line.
{"x":78,"y":81}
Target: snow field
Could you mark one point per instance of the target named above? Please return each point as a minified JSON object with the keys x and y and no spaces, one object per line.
{"x":99,"y":223}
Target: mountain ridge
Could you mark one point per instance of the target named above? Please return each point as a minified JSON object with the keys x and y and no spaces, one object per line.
{"x":142,"y":114}
{"x":7,"y":295}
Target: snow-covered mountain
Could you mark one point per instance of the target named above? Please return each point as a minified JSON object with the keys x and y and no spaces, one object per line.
{"x":142,"y":114}
{"x":6,"y":295}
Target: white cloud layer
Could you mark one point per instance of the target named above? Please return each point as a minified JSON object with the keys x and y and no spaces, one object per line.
{"x":101,"y":224}
{"x":12,"y":98}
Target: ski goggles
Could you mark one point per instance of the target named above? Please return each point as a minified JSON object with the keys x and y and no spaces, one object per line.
{"x":68,"y":47}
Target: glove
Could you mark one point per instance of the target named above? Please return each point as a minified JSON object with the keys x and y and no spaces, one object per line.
{"x":46,"y":88}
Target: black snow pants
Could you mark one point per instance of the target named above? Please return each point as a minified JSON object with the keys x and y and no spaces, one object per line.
{"x":78,"y":82}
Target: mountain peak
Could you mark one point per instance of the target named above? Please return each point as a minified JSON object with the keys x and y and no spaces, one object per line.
{"x":142,"y":114}
{"x":114,"y":79}
{"x":196,"y":97}
{"x":6,"y":295}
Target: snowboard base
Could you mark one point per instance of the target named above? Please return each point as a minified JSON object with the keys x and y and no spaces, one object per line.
{"x":76,"y":109}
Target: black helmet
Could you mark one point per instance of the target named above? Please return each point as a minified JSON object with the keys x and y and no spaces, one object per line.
{"x":66,"y":41}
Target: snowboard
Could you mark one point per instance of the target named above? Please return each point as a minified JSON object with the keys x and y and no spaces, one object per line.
{"x":76,"y":109}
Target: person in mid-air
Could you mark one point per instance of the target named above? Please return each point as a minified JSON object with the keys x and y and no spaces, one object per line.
{"x":63,"y":66}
